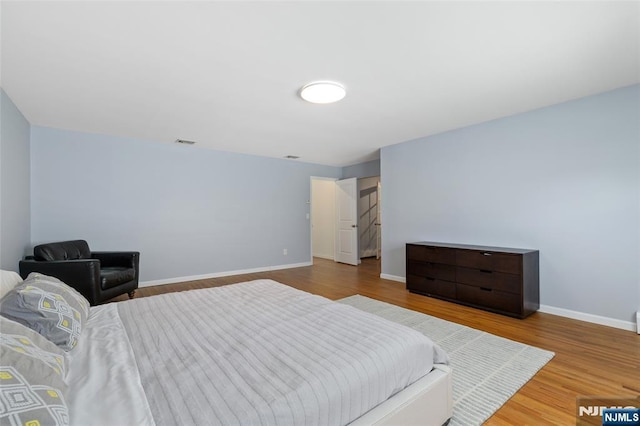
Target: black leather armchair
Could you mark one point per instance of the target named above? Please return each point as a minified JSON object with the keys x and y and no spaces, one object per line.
{"x":98,"y":276}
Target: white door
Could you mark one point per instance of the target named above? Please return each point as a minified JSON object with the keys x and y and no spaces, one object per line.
{"x":346,"y":221}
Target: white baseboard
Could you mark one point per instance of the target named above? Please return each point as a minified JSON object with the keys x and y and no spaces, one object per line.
{"x":582,"y":316}
{"x":221,"y":274}
{"x":393,"y":278}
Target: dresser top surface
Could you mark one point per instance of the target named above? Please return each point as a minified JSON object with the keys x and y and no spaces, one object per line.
{"x":472,"y":247}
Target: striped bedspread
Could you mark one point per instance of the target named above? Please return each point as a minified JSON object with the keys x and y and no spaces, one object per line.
{"x":262,"y":353}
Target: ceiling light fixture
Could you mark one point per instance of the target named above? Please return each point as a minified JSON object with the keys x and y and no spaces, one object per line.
{"x":322,"y":92}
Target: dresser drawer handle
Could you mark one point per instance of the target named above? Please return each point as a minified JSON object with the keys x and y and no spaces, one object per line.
{"x":485,"y":289}
{"x":486,"y":271}
{"x":486,"y":254}
{"x":430,"y":279}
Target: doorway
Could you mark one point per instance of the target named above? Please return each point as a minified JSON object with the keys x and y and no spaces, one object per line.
{"x":325,"y":224}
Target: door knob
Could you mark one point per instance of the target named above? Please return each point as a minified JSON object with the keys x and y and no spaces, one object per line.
{"x":354,"y":226}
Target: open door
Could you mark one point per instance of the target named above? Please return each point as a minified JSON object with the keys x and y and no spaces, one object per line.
{"x":347,"y":221}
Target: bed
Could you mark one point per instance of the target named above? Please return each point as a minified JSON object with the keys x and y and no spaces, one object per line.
{"x":258,"y":352}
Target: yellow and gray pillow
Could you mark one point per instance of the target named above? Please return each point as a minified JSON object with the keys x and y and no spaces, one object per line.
{"x":48,"y":306}
{"x":32,"y":388}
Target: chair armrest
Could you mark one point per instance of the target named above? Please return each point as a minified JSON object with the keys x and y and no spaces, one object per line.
{"x":81,"y":274}
{"x":127,"y":259}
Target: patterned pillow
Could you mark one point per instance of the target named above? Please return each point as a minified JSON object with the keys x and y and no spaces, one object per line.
{"x":31,"y":378}
{"x":48,"y":306}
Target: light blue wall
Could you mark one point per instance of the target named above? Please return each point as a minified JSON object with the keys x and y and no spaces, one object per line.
{"x":15,"y":209}
{"x":188,"y":210}
{"x":362,"y":170}
{"x":563,"y":179}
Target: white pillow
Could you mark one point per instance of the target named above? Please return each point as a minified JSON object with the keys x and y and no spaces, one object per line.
{"x":8,"y":280}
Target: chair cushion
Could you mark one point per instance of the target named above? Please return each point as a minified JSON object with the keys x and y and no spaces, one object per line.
{"x":113,"y":276}
{"x":64,"y":250}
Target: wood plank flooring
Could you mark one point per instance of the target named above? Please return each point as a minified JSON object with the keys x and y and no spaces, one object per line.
{"x":590,"y":359}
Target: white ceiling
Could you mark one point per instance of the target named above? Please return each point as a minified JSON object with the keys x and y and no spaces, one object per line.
{"x":226,"y":74}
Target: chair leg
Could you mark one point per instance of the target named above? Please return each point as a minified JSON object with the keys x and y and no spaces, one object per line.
{"x":132,"y":294}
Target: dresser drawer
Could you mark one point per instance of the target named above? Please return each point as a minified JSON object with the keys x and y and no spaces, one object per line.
{"x":488,"y":260}
{"x":431,"y":254}
{"x":492,"y":299}
{"x":431,"y":286}
{"x":432,"y":270}
{"x":489,"y":279}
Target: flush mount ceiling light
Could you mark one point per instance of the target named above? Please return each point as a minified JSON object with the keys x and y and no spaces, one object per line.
{"x":322,"y":92}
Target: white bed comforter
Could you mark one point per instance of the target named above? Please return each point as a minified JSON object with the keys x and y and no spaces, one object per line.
{"x":253,"y":353}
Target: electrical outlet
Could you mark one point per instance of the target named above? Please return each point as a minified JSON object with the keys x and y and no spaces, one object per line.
{"x":284,"y":251}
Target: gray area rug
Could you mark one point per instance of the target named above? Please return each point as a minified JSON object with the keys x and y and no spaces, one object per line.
{"x":487,"y":369}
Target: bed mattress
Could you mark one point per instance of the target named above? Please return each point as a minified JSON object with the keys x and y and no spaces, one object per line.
{"x":258,"y":352}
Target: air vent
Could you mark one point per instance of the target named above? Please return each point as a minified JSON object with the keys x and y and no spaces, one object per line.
{"x":291,"y":157}
{"x":186,"y":142}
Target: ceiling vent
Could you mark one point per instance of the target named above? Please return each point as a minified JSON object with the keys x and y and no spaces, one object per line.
{"x":185,"y":142}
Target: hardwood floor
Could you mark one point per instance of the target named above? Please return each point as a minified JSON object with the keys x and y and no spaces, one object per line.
{"x":590,"y":359}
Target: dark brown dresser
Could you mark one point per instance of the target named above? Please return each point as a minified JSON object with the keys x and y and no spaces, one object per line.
{"x":497,"y":279}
